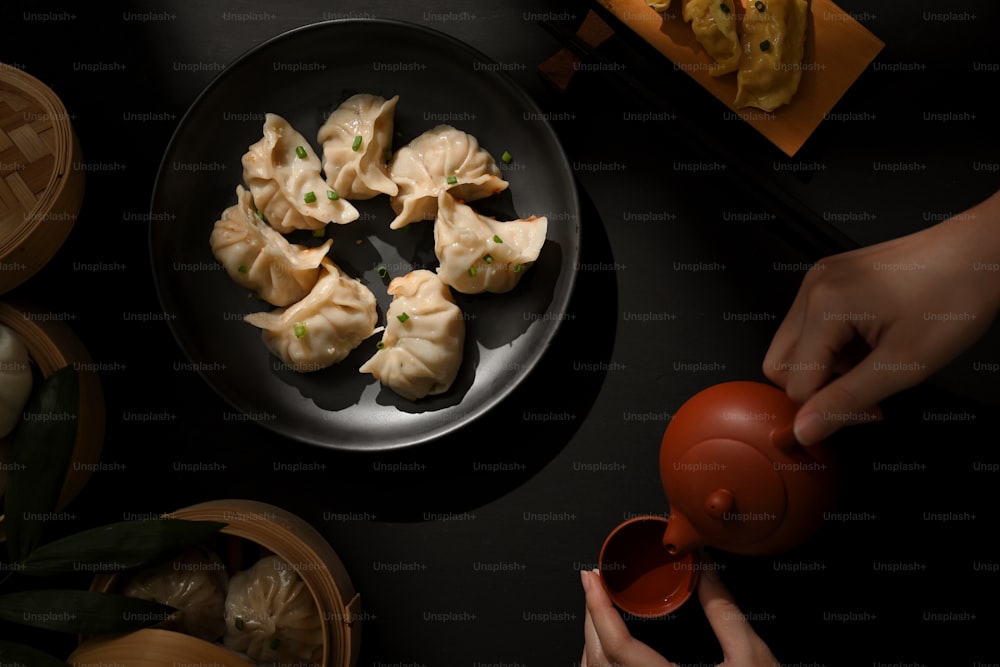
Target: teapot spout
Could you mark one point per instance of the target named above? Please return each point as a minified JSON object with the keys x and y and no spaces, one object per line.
{"x":680,"y":537}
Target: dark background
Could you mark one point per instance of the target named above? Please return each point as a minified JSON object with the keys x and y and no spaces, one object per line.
{"x":447,"y":512}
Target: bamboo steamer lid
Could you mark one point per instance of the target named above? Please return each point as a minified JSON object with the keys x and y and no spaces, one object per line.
{"x":41,"y":189}
{"x":52,"y":345}
{"x":273,"y":531}
{"x":151,"y":647}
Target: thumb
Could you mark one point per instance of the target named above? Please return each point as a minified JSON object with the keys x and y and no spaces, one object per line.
{"x":850,"y":399}
{"x":740,"y":643}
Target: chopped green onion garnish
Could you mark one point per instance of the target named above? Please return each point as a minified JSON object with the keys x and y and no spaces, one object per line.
{"x":517,"y":268}
{"x":238,"y":623}
{"x":724,"y":7}
{"x":260,"y":214}
{"x":402,"y":317}
{"x":299,"y":329}
{"x":488,"y":259}
{"x":319,"y":232}
{"x":765,"y":45}
{"x":472,"y":271}
{"x":760,"y":6}
{"x":310,"y":197}
{"x":332,"y":195}
{"x":382,"y":272}
{"x":275,"y":643}
{"x":452,"y":180}
{"x":356,"y":146}
{"x":242,"y":268}
{"x":301,"y":152}
{"x":506,"y":157}
{"x":380,"y":345}
{"x":497,"y":239}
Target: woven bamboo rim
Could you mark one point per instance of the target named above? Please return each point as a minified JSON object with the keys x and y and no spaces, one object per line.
{"x":40,"y":188}
{"x":53,"y":345}
{"x":272,"y":530}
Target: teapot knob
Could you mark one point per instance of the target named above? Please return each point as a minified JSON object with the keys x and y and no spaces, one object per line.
{"x":719,"y":503}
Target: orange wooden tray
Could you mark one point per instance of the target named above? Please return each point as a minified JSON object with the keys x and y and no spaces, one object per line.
{"x":838,"y":49}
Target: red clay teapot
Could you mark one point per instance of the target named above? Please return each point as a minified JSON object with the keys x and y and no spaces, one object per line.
{"x":735,"y":479}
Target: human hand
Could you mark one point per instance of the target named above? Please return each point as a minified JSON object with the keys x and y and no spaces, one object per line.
{"x":869,"y":323}
{"x":607,"y":641}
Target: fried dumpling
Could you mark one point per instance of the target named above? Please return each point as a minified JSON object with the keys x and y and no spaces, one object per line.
{"x":283,"y":174}
{"x":355,"y":140}
{"x":714,"y":25}
{"x":421,"y":349}
{"x":442,"y":158}
{"x":322,"y":328}
{"x":193,"y":583}
{"x":258,"y":257}
{"x":480,"y":254}
{"x":271,"y":616}
{"x":770,"y":68}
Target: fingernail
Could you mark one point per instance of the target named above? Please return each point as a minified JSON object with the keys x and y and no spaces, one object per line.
{"x":585,"y":578}
{"x":810,"y":428}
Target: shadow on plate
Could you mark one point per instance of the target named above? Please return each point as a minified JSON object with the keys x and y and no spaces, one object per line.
{"x":499,"y":319}
{"x":316,"y":385}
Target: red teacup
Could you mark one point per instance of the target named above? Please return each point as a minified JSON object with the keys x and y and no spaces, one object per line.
{"x":641,"y":577}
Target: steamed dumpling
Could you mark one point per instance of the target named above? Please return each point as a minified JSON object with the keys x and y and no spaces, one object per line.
{"x":421,"y":350}
{"x":481,"y":254}
{"x":355,"y":140}
{"x":257,"y":257}
{"x":443,"y":158}
{"x":271,"y":617}
{"x":714,"y":25}
{"x":770,"y":68}
{"x":194,"y":583}
{"x":323,"y":328}
{"x":283,"y":174}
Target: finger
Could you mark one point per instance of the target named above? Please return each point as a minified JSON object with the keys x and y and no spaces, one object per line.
{"x":821,"y":345}
{"x":591,"y":643}
{"x":611,"y":643}
{"x":740,"y":644}
{"x":776,"y":359}
{"x":853,"y":398}
{"x":593,"y":655}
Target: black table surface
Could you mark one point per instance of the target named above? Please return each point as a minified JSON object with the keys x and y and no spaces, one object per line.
{"x":466,"y":550}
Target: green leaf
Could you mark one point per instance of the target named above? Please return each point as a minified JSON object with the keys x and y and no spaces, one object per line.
{"x":118,"y":546}
{"x":40,"y":455}
{"x":12,"y":653}
{"x":84,"y":612}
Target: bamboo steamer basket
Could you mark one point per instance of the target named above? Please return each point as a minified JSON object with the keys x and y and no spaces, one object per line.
{"x":254,"y":530}
{"x":41,"y":186}
{"x":52,"y":345}
{"x":151,"y":647}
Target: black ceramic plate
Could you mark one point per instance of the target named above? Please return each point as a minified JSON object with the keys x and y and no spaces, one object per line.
{"x":302,"y":75}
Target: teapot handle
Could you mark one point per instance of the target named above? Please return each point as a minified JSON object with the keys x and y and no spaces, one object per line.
{"x":783,"y":438}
